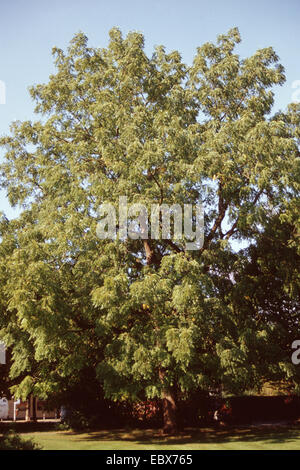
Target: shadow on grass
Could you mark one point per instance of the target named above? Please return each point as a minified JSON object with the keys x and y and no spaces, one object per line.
{"x":269,"y":435}
{"x":23,"y":427}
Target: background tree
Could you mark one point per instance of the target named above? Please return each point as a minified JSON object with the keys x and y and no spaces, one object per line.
{"x":267,"y":284}
{"x":153,"y":318}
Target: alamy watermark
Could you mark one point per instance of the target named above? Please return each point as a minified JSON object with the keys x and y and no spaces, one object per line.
{"x":135,"y":222}
{"x":2,"y":353}
{"x":2,"y":92}
{"x":296,"y":354}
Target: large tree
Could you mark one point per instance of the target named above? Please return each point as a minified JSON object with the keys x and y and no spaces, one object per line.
{"x":153,"y":318}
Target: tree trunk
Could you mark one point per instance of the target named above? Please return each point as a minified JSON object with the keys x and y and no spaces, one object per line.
{"x":170,"y":415}
{"x":33,"y":417}
{"x":27,"y":410}
{"x":169,"y":405}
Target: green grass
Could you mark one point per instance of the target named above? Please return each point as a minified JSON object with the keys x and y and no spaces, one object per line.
{"x":250,"y":438}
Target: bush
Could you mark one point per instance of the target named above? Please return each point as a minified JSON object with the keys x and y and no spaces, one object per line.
{"x":13,"y":441}
{"x":77,"y":421}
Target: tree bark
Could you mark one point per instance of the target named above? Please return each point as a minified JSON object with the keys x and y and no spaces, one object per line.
{"x":151,"y":257}
{"x":33,"y":417}
{"x":27,"y":409}
{"x":169,"y":406}
{"x":170,"y":414}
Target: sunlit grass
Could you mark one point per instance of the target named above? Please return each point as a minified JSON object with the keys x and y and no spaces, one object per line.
{"x":261,"y":438}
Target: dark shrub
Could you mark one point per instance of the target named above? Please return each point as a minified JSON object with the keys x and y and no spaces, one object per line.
{"x":10,"y":440}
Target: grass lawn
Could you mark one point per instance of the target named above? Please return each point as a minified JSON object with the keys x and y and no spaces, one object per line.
{"x":247,"y":438}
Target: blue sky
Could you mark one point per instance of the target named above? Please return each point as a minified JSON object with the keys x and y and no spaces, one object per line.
{"x":29,"y":29}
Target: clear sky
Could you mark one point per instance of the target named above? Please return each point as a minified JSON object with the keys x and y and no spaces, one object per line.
{"x":29,"y":29}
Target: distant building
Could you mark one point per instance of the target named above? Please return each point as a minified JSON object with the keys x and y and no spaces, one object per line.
{"x":27,"y":410}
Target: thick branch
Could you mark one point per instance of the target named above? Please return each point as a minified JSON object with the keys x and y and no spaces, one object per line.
{"x":151,"y":256}
{"x":222,"y":207}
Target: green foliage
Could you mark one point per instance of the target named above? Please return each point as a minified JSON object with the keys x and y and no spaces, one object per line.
{"x":12,"y":441}
{"x":149,"y":316}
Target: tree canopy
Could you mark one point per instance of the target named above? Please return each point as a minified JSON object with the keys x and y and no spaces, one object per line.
{"x":150,"y":317}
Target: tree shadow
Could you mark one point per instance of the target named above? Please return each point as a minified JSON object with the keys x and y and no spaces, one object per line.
{"x":23,"y":427}
{"x":269,"y":435}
